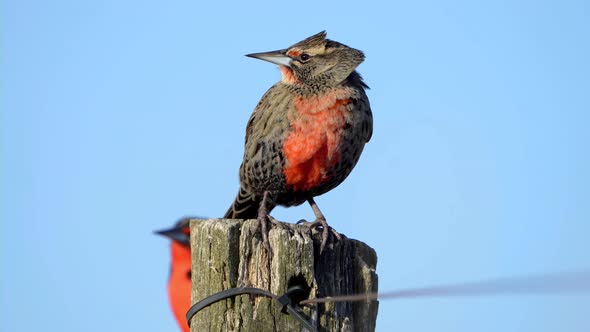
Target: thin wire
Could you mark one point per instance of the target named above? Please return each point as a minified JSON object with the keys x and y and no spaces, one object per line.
{"x":554,"y":283}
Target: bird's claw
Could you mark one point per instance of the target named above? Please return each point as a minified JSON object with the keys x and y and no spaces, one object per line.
{"x":262,"y":226}
{"x":276,"y":222}
{"x":326,"y":230}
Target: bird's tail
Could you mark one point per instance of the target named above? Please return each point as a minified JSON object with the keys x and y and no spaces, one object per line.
{"x":245,"y":206}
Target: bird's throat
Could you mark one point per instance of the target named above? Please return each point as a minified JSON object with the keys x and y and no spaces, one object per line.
{"x":287,"y":75}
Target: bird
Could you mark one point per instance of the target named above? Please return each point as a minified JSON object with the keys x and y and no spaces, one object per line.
{"x":306,"y":133}
{"x":179,"y":281}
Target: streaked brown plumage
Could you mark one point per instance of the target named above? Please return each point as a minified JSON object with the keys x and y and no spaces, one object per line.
{"x":306,"y":133}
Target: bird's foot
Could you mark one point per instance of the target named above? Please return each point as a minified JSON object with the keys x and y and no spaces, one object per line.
{"x":275,"y":222}
{"x":326,"y":230}
{"x":262,"y":226}
{"x":263,"y":221}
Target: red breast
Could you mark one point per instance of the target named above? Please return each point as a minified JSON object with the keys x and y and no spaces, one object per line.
{"x":312,"y":147}
{"x":179,"y":284}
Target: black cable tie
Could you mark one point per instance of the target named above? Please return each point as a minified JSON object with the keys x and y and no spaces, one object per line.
{"x":289,"y":306}
{"x":224,"y":294}
{"x":288,"y":298}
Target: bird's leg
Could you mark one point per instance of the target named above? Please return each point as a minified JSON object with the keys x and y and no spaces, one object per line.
{"x":320,"y":221}
{"x":262,"y":220}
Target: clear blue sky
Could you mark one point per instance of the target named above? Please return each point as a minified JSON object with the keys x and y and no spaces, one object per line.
{"x":118,"y":117}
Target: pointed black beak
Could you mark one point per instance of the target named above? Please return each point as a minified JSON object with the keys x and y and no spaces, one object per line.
{"x":277,"y":57}
{"x":175,"y":234}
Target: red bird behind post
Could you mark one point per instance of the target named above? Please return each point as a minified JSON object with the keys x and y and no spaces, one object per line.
{"x":179,"y":282}
{"x":306,"y":134}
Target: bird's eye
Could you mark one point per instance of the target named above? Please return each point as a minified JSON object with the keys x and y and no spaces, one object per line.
{"x":188,"y":274}
{"x":304,"y":57}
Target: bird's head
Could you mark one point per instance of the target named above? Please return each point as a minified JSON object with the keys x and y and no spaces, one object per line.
{"x":315,"y":62}
{"x":180,"y":233}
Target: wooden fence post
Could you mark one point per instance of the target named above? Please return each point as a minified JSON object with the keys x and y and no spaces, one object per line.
{"x":226,"y":255}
